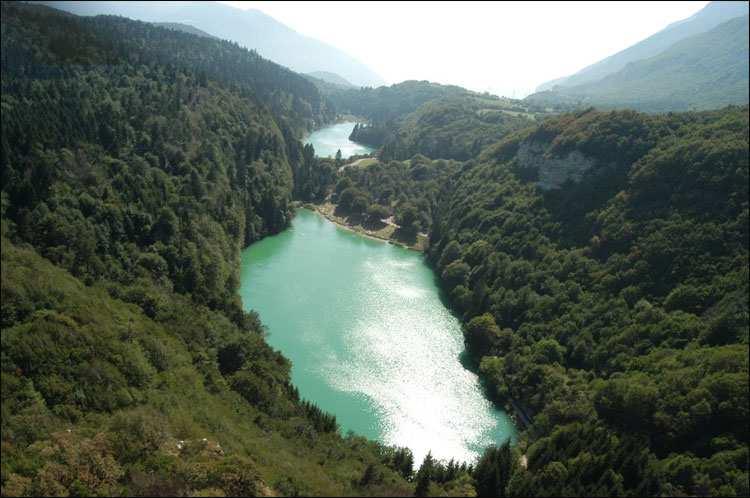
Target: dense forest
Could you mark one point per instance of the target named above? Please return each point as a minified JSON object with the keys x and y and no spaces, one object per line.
{"x":454,"y":128}
{"x":600,"y":264}
{"x":136,"y":162}
{"x":437,"y":121}
{"x":406,"y":190}
{"x":386,"y":103}
{"x":626,"y":344}
{"x":598,"y":260}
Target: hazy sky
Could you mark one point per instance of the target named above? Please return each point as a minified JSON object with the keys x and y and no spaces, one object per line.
{"x":507,"y":48}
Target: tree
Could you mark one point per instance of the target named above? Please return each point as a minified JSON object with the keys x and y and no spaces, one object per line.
{"x":481,"y":335}
{"x":347,"y":196}
{"x":403,"y":462}
{"x":407,"y":217}
{"x":166,"y":226}
{"x":370,"y":476}
{"x":360,"y":204}
{"x":377,"y":212}
{"x":493,"y":471}
{"x":424,"y":476}
{"x":456,"y":273}
{"x":451,"y":252}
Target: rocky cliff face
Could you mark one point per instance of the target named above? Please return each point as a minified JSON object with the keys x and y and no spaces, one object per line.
{"x":552,"y":171}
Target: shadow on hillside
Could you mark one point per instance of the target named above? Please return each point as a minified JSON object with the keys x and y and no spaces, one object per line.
{"x":355,"y":219}
{"x":405,"y":236}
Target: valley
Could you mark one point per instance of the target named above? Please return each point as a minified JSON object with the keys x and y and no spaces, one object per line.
{"x":479,"y":296}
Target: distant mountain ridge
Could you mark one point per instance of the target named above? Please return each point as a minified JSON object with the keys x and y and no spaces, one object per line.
{"x":185,"y":28}
{"x":250,"y":28}
{"x":705,"y":71}
{"x":709,"y":17}
{"x":332,"y":78}
{"x":713,"y":65}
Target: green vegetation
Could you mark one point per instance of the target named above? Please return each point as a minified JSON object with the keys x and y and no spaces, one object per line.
{"x":454,"y":128}
{"x":386,"y":103}
{"x":608,"y":308}
{"x":136,"y":162}
{"x":394,"y":185}
{"x":100,"y":398}
{"x":249,"y":28}
{"x":626,"y":343}
{"x":373,"y":135}
{"x":186,"y":28}
{"x":704,"y":71}
{"x":610,"y":311}
{"x":710,"y":16}
{"x":437,"y":121}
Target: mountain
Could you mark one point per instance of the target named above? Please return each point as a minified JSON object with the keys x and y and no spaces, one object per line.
{"x":294,"y":100}
{"x":707,"y":18}
{"x":250,"y":28}
{"x":614,"y":304}
{"x":434,"y":120}
{"x":385,"y":103}
{"x":331,"y":78}
{"x":185,"y":28}
{"x":136,"y":162}
{"x":452,"y":127}
{"x":599,"y":263}
{"x":704,"y":71}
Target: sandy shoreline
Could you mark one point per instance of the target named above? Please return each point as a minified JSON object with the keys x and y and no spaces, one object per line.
{"x":326,"y":211}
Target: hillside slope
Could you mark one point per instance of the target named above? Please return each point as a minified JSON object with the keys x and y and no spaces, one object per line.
{"x":599,"y":261}
{"x":185,"y":28}
{"x":709,"y":17}
{"x":332,"y":78}
{"x":136,"y":162}
{"x":626,"y":341}
{"x":706,"y":71}
{"x":438,"y":121}
{"x":250,"y":28}
{"x":457,"y":127}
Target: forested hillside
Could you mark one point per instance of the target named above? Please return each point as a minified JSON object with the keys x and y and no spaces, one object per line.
{"x":328,"y":77}
{"x":250,"y":28}
{"x":407,"y":190}
{"x":705,"y":71}
{"x":438,"y":121}
{"x":386,"y":103}
{"x":627,"y":343}
{"x":454,"y":127}
{"x":598,"y":260}
{"x":109,"y":40}
{"x":710,"y":16}
{"x":136,"y":162}
{"x":186,"y":28}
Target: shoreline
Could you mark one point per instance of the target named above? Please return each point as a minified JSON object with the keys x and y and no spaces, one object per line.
{"x":318,"y":208}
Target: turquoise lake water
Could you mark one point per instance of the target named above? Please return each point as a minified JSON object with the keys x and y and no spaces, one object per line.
{"x":332,"y":138}
{"x":369,"y":338}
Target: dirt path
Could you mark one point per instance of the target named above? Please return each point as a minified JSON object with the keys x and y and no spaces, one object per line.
{"x":362,"y":162}
{"x":385,"y":234}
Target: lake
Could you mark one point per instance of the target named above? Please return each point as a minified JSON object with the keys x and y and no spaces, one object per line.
{"x":332,"y":138}
{"x":369,"y":338}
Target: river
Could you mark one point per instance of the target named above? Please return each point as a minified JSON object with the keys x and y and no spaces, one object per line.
{"x":369,"y":338}
{"x":332,"y":138}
